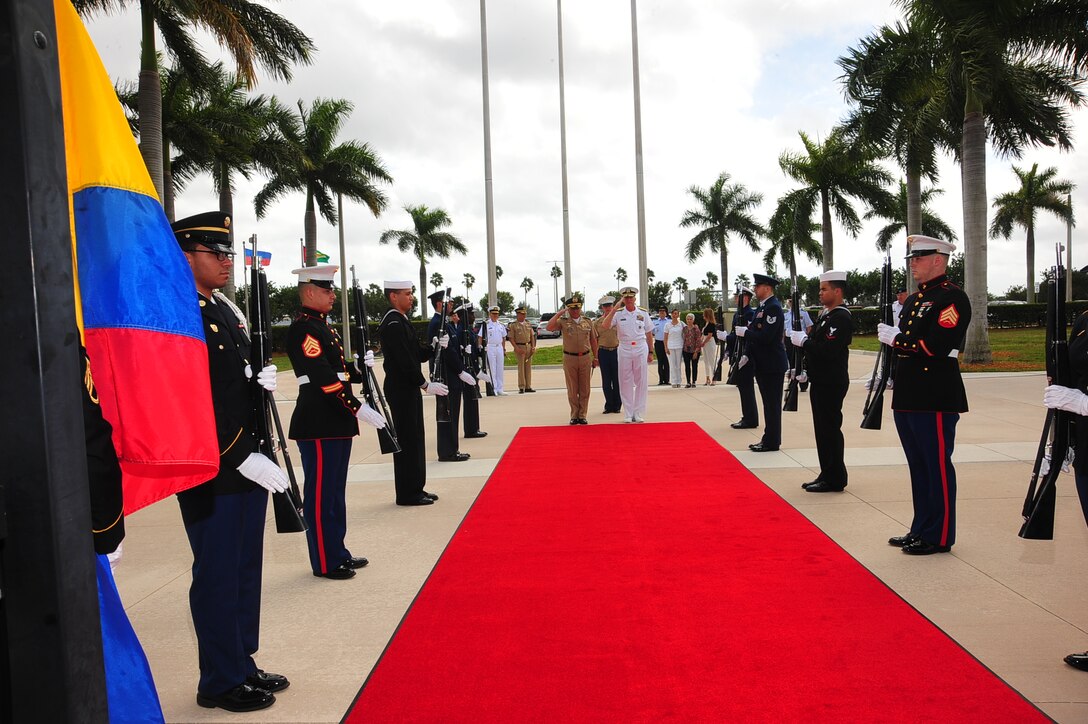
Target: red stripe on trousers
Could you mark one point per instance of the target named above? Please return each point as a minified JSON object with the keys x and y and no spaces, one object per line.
{"x":317,"y":508}
{"x":944,"y":477}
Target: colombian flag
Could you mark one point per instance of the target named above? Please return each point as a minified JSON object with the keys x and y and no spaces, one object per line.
{"x":136,"y":300}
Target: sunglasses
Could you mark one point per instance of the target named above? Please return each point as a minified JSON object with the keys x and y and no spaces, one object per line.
{"x":219,"y":255}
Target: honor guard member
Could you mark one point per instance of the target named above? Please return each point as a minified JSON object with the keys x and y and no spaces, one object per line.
{"x":660,"y":322}
{"x":928,"y":396}
{"x":470,"y":405}
{"x":636,"y":337}
{"x":608,"y":341}
{"x":827,"y":359}
{"x":224,"y":517}
{"x":579,"y":356}
{"x":744,"y":376}
{"x":456,"y":380}
{"x":493,"y":338}
{"x":521,"y":335}
{"x":404,"y":384}
{"x":763,"y":345}
{"x":324,"y":421}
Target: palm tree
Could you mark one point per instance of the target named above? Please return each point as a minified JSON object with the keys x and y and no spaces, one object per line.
{"x":249,"y":31}
{"x":498,"y":272}
{"x":724,"y":209}
{"x":710,"y":280}
{"x":436,"y":280}
{"x":791,"y":231}
{"x":1039,"y":191}
{"x":469,"y":281}
{"x":425,"y":238}
{"x":681,"y":286}
{"x":527,"y":286}
{"x":555,"y":273}
{"x":1012,"y":69}
{"x":321,"y":168}
{"x":649,"y":275}
{"x":621,"y":276}
{"x":833,"y":172}
{"x":930,"y":225}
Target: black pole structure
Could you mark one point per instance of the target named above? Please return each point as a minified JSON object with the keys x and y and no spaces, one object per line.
{"x":50,"y":638}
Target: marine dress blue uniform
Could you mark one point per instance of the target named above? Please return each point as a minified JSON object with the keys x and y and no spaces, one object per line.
{"x":763,"y":345}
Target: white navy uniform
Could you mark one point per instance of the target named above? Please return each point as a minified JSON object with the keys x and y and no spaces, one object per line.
{"x":632,"y":327}
{"x":496,"y":333}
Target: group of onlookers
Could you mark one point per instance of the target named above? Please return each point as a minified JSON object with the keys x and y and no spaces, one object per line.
{"x":682,"y":344}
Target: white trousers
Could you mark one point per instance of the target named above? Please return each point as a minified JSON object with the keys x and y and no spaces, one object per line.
{"x":710,"y":358}
{"x":676,"y":365}
{"x":495,"y":364}
{"x":633,"y":364}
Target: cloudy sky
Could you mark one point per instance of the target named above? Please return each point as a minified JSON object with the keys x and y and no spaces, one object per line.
{"x":725,"y":87}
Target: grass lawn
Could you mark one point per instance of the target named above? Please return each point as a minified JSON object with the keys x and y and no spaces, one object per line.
{"x":1015,"y":350}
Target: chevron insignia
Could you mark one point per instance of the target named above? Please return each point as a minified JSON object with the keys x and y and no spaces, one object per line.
{"x":311,"y":347}
{"x":948,"y":317}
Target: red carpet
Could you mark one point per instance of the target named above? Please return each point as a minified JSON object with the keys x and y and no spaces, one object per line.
{"x":639,"y":573}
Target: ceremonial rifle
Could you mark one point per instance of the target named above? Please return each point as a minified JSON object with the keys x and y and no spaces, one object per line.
{"x":1042,"y":493}
{"x":873,"y":412}
{"x":719,"y":318}
{"x":288,"y":505}
{"x":736,"y":344}
{"x":438,"y":372}
{"x":790,"y":404}
{"x":468,"y":342}
{"x":372,"y":391}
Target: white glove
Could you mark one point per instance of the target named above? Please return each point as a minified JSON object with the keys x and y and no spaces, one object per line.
{"x":368,"y":358}
{"x":264,"y":472}
{"x":443,"y":340}
{"x":484,"y":377}
{"x":467,"y":378}
{"x":115,"y":557}
{"x":722,"y":334}
{"x":741,"y":331}
{"x":1066,"y":398}
{"x":371,"y":416}
{"x":802,"y":378}
{"x":436,"y":388}
{"x":887,"y":333}
{"x":266,"y":378}
{"x":798,"y":338}
{"x":743,"y":359}
{"x":468,"y":349}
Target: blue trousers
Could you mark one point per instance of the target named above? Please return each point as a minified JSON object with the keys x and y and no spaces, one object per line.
{"x":770,"y":391}
{"x":608,"y":361}
{"x":226,"y":534}
{"x":928,"y":440}
{"x":325,"y":465}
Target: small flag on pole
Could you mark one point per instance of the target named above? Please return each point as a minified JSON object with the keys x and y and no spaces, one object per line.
{"x":321,"y":257}
{"x":264,"y":256}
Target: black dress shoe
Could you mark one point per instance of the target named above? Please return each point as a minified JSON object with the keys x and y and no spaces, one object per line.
{"x":574,"y":420}
{"x":356,"y":562}
{"x":822,"y":486}
{"x":455,"y":458}
{"x":529,"y":389}
{"x":583,"y":421}
{"x":478,"y":433}
{"x":919,"y":547}
{"x":1077,"y":661}
{"x":521,"y":392}
{"x":901,"y":540}
{"x":742,"y":425}
{"x":432,"y":496}
{"x":805,"y":486}
{"x":269,"y":682}
{"x":340,"y":573}
{"x":421,"y":500}
{"x":241,"y":698}
{"x":760,"y":447}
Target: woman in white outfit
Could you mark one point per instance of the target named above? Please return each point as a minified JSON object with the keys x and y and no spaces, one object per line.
{"x":709,"y":346}
{"x":674,"y":346}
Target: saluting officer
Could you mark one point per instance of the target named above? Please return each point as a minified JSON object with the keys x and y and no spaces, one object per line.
{"x":579,"y":356}
{"x":325,"y":421}
{"x":493,"y":336}
{"x":224,"y":517}
{"x":608,"y":341}
{"x":521,"y":334}
{"x":744,"y":375}
{"x":404,"y":355}
{"x":636,"y":337}
{"x":456,"y":379}
{"x":763,"y":345}
{"x":827,"y":359}
{"x":470,"y":405}
{"x":928,"y":396}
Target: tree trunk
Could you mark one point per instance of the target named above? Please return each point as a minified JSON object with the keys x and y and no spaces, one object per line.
{"x":977,"y":350}
{"x":310,"y":224}
{"x":829,"y":244}
{"x":914,"y":202}
{"x":422,"y":286}
{"x":1030,"y":286}
{"x":724,"y":254}
{"x":149,"y":100}
{"x":226,"y":205}
{"x":167,"y":182}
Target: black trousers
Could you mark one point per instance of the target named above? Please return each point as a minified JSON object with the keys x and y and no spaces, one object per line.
{"x":770,"y":390}
{"x":827,"y":425}
{"x":608,"y":361}
{"x":410,"y":464}
{"x":691,"y":368}
{"x":470,"y":406}
{"x":746,"y":386}
{"x":449,"y":432}
{"x":662,"y":362}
